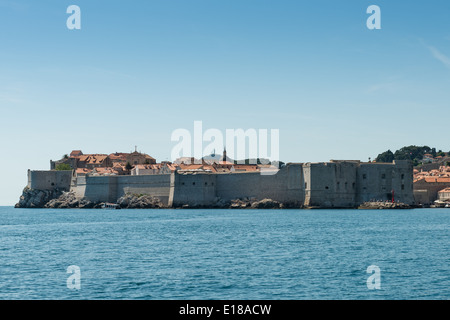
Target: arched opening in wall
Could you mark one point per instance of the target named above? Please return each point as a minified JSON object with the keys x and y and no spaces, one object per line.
{"x":389,"y":196}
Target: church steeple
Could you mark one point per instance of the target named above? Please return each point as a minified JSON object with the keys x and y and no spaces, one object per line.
{"x":224,"y":155}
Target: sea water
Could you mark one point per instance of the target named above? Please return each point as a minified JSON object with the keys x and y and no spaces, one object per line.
{"x":224,"y":254}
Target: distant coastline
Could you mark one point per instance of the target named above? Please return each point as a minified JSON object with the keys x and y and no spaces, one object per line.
{"x":136,"y":181}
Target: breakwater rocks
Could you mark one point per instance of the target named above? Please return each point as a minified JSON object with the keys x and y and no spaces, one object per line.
{"x":263,"y":204}
{"x":32,"y":198}
{"x":384,"y":205}
{"x":141,"y":201}
{"x":68,"y":201}
{"x":130,"y":201}
{"x":245,"y":203}
{"x":57,"y":199}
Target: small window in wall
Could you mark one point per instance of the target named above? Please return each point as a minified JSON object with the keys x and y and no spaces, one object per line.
{"x":353,"y":185}
{"x":306,"y":185}
{"x":212,"y":183}
{"x":182,"y":183}
{"x":403,"y":176}
{"x":327,"y":188}
{"x":403,"y":187}
{"x":193,"y":183}
{"x":383,"y":176}
{"x":206,"y":183}
{"x":364,"y":176}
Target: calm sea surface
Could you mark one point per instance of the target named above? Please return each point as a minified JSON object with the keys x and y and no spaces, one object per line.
{"x":224,"y":254}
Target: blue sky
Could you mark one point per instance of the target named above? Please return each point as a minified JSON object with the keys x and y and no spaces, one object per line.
{"x":138,"y":70}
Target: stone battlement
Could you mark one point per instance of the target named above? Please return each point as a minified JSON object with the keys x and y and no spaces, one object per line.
{"x":334,"y":184}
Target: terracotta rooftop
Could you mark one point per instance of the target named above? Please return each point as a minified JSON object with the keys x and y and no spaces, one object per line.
{"x":82,"y":170}
{"x":76,"y":153}
{"x":118,"y":156}
{"x":93,"y":158}
{"x":437,"y":179}
{"x":246,"y":167}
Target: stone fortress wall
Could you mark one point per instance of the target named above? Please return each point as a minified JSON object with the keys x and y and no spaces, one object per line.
{"x":49,"y":180}
{"x":111,"y":188}
{"x":334,"y":184}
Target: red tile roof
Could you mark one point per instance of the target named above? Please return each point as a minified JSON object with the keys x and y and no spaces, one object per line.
{"x":76,"y":153}
{"x":437,"y":179}
{"x":93,"y":158}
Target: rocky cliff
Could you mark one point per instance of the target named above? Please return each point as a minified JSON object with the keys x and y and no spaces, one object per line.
{"x":32,"y":198}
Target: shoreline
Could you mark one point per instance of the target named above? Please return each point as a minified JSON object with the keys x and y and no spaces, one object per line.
{"x":58,"y":199}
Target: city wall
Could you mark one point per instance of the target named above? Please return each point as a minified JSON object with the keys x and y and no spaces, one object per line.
{"x":335,"y":184}
{"x":427,"y":192}
{"x":49,"y":180}
{"x":203,"y":189}
{"x":331,"y":184}
{"x":110,"y":188}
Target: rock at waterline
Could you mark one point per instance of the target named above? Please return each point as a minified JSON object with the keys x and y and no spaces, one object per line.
{"x":33,"y":198}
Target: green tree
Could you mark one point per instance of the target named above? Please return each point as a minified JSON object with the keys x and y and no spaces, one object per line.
{"x":386,"y":156}
{"x":128,"y":166}
{"x":433,"y":152}
{"x":63,"y":167}
{"x":412,"y":152}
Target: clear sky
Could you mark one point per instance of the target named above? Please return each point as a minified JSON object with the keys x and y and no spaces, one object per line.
{"x":138,"y":70}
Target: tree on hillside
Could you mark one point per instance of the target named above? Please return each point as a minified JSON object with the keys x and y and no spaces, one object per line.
{"x":413,"y":153}
{"x":128,"y":167}
{"x":433,"y":152}
{"x":386,"y":156}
